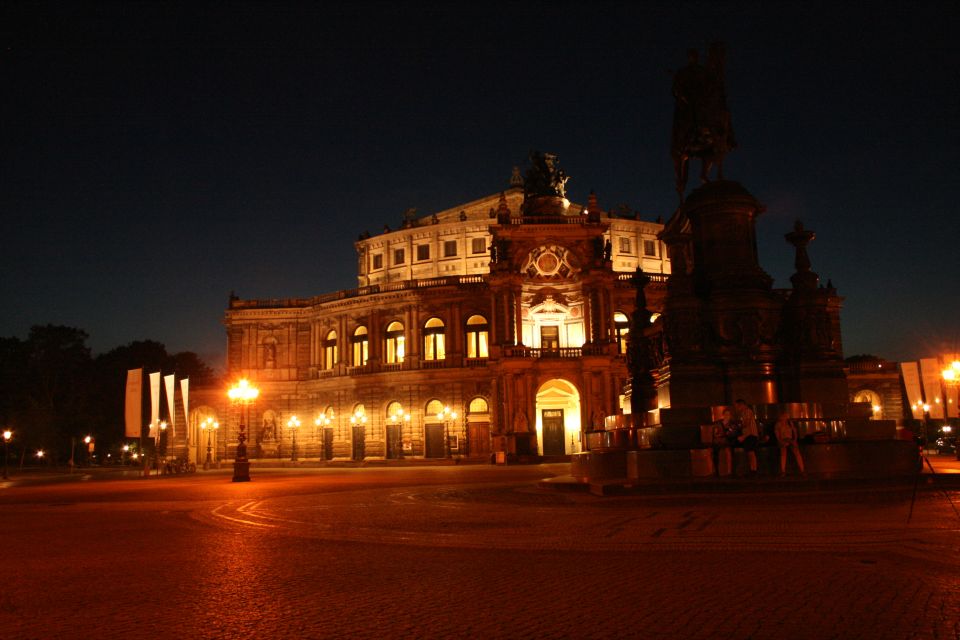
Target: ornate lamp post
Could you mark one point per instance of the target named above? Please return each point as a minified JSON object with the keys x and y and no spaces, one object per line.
{"x":209,"y":425}
{"x":398,"y":418}
{"x":244,"y":394}
{"x":448,"y":418}
{"x":7,"y":436}
{"x":293,"y":424}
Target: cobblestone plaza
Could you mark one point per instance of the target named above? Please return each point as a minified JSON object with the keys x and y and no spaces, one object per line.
{"x":477,"y":551}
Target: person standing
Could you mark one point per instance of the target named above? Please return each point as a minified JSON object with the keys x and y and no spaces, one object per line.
{"x":786,"y":434}
{"x":723,"y":430}
{"x":749,"y":436}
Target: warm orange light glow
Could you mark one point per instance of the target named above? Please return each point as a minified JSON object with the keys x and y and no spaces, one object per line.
{"x":243,"y":391}
{"x":7,"y":434}
{"x":293,"y":422}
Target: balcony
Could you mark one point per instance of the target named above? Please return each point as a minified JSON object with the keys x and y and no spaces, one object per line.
{"x":536,"y":353}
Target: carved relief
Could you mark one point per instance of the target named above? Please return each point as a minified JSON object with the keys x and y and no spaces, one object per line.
{"x":551,"y":262}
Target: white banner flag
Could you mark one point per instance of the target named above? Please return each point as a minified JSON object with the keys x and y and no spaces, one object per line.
{"x":133,"y":408}
{"x":154,"y":403}
{"x":930,"y":373}
{"x":170,"y":387}
{"x":185,"y":393}
{"x":911,"y":382}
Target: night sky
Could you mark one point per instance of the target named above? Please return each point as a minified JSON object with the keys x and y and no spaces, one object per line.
{"x":156,"y":156}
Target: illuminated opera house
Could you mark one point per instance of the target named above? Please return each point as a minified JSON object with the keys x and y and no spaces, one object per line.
{"x":496,"y":326}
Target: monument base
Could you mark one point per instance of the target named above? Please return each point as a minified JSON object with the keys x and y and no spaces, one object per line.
{"x":241,"y":471}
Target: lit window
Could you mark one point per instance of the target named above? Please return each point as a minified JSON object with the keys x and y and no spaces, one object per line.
{"x":360,"y":350}
{"x":433,"y":408}
{"x":433,"y":340}
{"x":649,"y":248}
{"x":478,"y":245}
{"x":395,"y":343}
{"x":622,"y":326}
{"x":477,"y":337}
{"x":479,"y":405}
{"x":378,"y":261}
{"x":423,"y":252}
{"x":625,"y":245}
{"x":449,"y":248}
{"x":330,"y":355}
{"x":399,"y":256}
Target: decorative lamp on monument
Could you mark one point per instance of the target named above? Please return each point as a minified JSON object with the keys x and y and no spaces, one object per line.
{"x":209,"y":425}
{"x":7,"y":436}
{"x":244,"y":394}
{"x":449,"y":419}
{"x":293,"y":424}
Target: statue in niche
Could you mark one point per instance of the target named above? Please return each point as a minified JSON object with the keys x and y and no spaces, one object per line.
{"x":597,"y":419}
{"x":701,"y":119}
{"x":268,"y":428}
{"x":520,"y":424}
{"x":269,"y":355}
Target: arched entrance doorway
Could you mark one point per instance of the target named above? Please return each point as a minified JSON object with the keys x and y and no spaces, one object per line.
{"x":558,"y":417}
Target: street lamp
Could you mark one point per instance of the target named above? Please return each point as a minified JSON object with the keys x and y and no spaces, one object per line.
{"x":447,"y":417}
{"x":88,"y":441}
{"x":7,"y":436}
{"x":160,"y":432}
{"x":244,"y":394}
{"x":293,"y":424}
{"x":209,"y":425}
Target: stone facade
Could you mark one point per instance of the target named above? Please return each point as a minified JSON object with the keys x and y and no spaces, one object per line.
{"x":511,"y":326}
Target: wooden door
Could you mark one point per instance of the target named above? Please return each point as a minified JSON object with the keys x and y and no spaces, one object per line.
{"x":553,"y":433}
{"x":328,"y":444}
{"x":478,"y":439}
{"x":359,"y":443}
{"x":550,"y":338}
{"x":394,"y":443}
{"x":433,"y":434}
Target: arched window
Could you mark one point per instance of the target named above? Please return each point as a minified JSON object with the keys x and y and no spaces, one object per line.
{"x":326,"y":418}
{"x":478,"y":332}
{"x":433,"y":408}
{"x":359,"y":414}
{"x":394,"y":408}
{"x":621,"y":325}
{"x":478,"y":405}
{"x":360,"y":351}
{"x":433,"y":340}
{"x":395,"y":343}
{"x":330,"y":355}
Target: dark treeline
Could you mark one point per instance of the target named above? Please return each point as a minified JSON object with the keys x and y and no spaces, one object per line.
{"x":52,"y":389}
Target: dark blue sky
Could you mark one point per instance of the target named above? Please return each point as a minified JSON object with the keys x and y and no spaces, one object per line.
{"x":157,"y":156}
